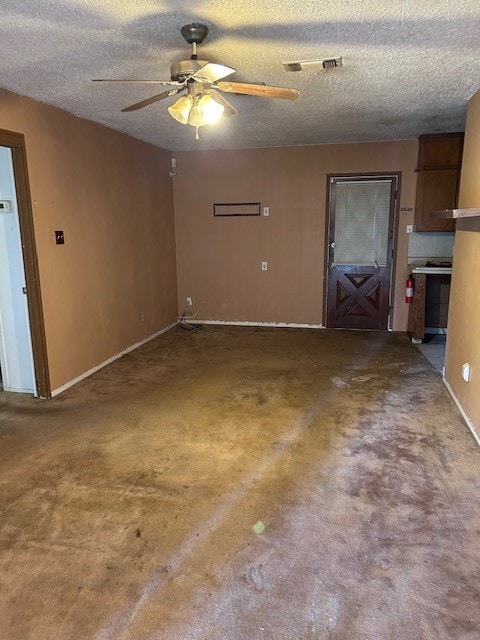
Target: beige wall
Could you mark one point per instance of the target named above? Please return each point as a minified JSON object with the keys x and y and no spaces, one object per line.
{"x":463,"y":341}
{"x":218,"y":259}
{"x":112,"y":196}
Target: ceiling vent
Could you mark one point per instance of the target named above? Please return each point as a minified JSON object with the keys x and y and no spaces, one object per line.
{"x":313,"y":65}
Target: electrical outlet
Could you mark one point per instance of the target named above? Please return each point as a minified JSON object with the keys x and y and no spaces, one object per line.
{"x":142,"y":317}
{"x":189,"y":302}
{"x":409,"y":228}
{"x":264,"y":266}
{"x":266,"y":211}
{"x":466,"y":372}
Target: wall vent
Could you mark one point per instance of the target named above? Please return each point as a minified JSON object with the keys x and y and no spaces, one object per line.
{"x":292,"y":66}
{"x":331,"y":63}
{"x":230,"y":209}
{"x":313,"y":65}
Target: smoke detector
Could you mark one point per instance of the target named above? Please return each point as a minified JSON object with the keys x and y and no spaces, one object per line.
{"x":313,"y":65}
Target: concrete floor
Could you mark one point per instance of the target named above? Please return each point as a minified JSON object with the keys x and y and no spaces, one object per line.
{"x":433,"y":348}
{"x":129,"y":502}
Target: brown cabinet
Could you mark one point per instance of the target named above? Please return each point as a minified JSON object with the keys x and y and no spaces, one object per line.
{"x":430,"y":304}
{"x":440,"y":151}
{"x":439,"y":163}
{"x":436,"y":190}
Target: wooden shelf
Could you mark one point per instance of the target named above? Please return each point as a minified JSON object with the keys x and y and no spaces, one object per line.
{"x":457,"y":213}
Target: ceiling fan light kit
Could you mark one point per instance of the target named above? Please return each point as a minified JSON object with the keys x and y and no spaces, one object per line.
{"x":205,"y":111}
{"x":180,"y":110}
{"x":197,"y":110}
{"x":202,"y":105}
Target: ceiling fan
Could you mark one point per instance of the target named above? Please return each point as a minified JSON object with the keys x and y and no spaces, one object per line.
{"x":201,"y":80}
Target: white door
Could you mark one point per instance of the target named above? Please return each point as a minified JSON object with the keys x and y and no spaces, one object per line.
{"x":16,"y":356}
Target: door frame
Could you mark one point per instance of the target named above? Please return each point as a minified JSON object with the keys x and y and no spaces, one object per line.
{"x":330,"y":205}
{"x":16,"y":142}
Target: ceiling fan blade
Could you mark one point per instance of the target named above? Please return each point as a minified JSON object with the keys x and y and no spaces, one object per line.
{"x":212,"y":72}
{"x":166,"y":82}
{"x":258,"y":90}
{"x":156,"y":98}
{"x":229,"y":110}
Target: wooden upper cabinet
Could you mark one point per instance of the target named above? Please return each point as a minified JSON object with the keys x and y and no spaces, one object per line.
{"x":439,"y":163}
{"x":436,"y":190}
{"x":440,"y":151}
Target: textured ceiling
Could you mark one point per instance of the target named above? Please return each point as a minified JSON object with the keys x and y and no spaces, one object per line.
{"x":409,"y":66}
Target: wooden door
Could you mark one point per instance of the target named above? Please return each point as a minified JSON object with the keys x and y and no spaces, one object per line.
{"x":16,"y":142}
{"x":360,"y":244}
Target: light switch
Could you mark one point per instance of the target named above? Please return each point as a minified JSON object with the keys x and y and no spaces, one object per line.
{"x":264,"y":266}
{"x":59,"y":237}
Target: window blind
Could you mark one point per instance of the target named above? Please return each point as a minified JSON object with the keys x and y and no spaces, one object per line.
{"x":362,"y":213}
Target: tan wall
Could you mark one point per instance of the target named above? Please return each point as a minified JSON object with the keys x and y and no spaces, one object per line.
{"x":112,"y":196}
{"x":218,"y":259}
{"x":463,"y":341}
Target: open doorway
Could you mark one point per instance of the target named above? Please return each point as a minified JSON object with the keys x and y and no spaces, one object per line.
{"x":22,"y":342}
{"x":360,"y":236}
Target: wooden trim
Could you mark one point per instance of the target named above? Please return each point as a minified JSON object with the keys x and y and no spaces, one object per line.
{"x":16,"y":142}
{"x":393,"y":248}
{"x":458,"y":213}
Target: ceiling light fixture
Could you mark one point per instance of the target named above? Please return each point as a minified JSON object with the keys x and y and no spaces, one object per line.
{"x":198,"y":108}
{"x":203,"y":104}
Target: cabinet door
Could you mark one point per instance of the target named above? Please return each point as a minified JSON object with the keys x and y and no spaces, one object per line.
{"x":440,"y":151}
{"x":436,"y":190}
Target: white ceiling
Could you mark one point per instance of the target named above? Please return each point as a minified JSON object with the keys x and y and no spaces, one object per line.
{"x":409,"y":66}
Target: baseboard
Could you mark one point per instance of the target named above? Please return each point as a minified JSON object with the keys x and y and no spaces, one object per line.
{"x":470,"y":424}
{"x":88,"y":373}
{"x":238,"y":323}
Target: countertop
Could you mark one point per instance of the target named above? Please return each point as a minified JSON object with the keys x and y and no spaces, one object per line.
{"x":432,"y":270}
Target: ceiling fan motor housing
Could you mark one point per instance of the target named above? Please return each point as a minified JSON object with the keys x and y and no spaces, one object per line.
{"x":182,"y":69}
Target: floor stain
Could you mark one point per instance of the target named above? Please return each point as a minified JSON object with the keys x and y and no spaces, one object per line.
{"x":128,"y":501}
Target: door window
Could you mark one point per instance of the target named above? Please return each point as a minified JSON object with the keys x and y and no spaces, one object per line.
{"x":362,"y":217}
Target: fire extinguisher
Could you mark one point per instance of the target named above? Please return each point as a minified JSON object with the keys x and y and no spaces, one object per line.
{"x":409,"y":286}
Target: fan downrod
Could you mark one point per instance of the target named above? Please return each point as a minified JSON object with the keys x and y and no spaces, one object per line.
{"x":194,"y":33}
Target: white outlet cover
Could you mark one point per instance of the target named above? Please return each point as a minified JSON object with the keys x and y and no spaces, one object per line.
{"x":409,"y":228}
{"x":466,"y":372}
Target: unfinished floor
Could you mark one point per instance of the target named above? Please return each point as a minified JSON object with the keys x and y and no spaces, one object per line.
{"x":129,"y":502}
